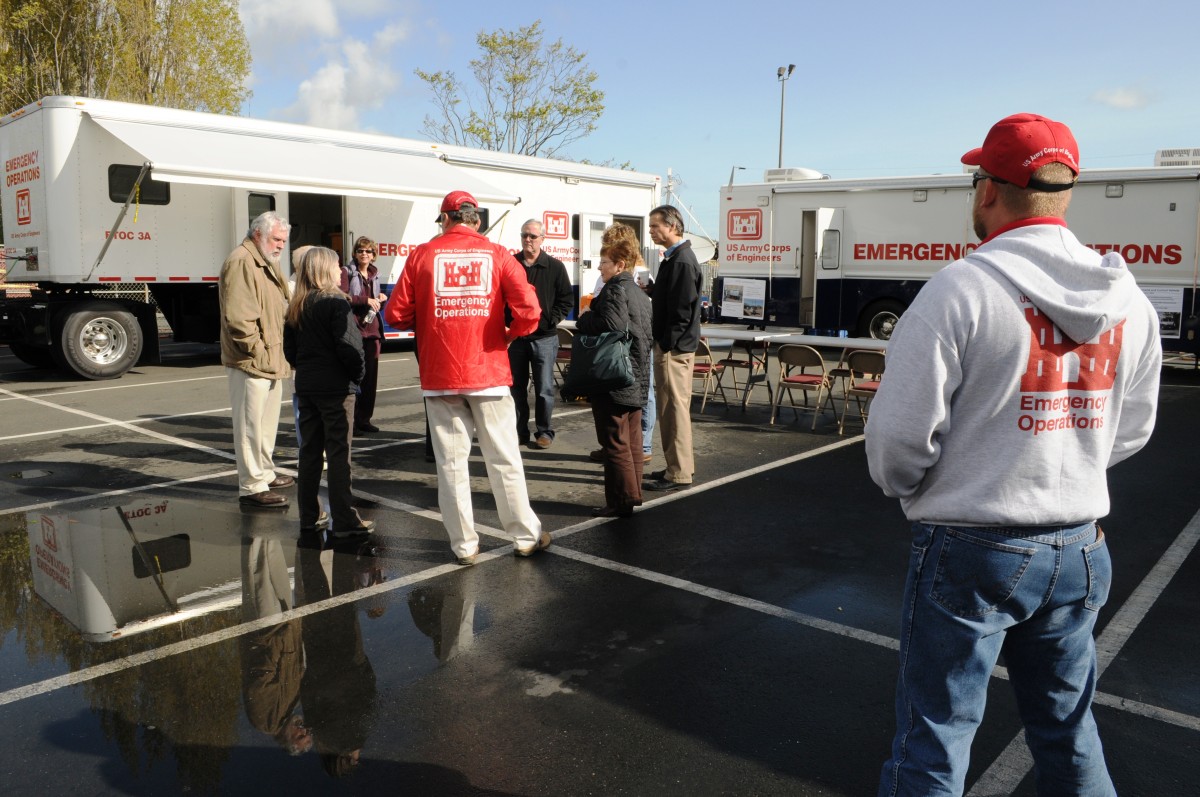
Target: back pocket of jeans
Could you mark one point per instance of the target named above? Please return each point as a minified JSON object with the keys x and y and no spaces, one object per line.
{"x":1099,"y":568}
{"x":975,"y":576}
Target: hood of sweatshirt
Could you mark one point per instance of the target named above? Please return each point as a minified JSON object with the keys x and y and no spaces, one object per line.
{"x":1082,"y":292}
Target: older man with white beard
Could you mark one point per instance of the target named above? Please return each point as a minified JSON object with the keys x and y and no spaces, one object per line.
{"x":254,"y":297}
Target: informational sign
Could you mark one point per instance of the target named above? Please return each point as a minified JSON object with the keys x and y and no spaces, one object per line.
{"x":1168,"y":301}
{"x":744,"y":298}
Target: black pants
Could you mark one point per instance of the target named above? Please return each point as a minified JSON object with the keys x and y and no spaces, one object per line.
{"x":364,"y":409}
{"x":325,"y":427}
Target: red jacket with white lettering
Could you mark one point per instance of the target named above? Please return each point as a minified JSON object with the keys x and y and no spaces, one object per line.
{"x":452,"y":293}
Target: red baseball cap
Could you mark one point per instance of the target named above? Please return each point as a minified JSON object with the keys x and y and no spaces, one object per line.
{"x":1019,"y":145}
{"x":454,"y":202}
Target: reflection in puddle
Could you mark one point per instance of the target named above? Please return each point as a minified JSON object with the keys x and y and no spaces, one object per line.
{"x":144,"y":564}
{"x":29,"y":474}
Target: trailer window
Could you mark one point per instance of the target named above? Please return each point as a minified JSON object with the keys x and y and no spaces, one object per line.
{"x":162,"y":555}
{"x":120,"y":182}
{"x":258,"y":204}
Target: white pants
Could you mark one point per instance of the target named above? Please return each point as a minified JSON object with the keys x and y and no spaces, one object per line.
{"x":453,"y":420}
{"x":255,"y":403}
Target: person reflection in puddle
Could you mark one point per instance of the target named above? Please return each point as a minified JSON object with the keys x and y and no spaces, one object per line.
{"x":447,"y":617}
{"x":338,"y":687}
{"x":271,"y":662}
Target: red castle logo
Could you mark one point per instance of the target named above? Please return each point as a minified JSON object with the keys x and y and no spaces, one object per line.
{"x":1057,"y":363}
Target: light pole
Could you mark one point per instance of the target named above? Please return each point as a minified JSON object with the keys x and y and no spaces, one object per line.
{"x":733,"y":170}
{"x":783,"y":73}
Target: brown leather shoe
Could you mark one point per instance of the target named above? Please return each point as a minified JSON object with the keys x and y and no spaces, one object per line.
{"x":542,"y":543}
{"x":281,"y":481}
{"x":265,"y":499}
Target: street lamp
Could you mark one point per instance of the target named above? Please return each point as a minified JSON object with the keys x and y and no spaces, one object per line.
{"x":783,"y":73}
{"x":733,"y":170}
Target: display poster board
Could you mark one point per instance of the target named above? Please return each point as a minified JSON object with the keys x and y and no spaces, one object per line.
{"x":744,"y":298}
{"x":1168,"y":302}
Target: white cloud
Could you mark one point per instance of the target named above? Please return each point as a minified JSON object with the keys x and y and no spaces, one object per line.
{"x":354,"y":79}
{"x":1124,"y":99}
{"x":392,"y":34}
{"x":270,"y":20}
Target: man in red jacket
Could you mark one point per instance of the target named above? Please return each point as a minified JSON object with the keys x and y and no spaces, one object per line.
{"x":452,"y":293}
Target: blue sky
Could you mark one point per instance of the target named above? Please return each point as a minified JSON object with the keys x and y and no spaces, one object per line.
{"x":880,"y":88}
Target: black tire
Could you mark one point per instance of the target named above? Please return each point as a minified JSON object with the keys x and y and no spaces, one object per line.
{"x":98,"y":340}
{"x":879,"y":319}
{"x":37,"y":356}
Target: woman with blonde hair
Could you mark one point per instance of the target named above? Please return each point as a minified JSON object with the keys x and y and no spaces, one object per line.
{"x":322,"y":342}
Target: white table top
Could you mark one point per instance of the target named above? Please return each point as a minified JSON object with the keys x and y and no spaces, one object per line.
{"x":825,"y":342}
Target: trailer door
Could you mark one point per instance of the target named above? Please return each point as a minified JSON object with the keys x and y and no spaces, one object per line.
{"x":823,"y":286}
{"x":590,"y":231}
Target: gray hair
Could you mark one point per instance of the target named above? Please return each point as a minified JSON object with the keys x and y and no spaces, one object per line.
{"x":541,"y":229}
{"x":670,"y":216}
{"x":265,"y":222}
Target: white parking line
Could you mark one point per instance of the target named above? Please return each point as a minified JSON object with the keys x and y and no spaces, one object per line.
{"x":179,"y":441}
{"x":122,"y":386}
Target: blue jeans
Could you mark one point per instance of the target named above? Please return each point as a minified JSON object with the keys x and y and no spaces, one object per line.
{"x":649,"y":415}
{"x":536,"y":355}
{"x":1030,"y":592}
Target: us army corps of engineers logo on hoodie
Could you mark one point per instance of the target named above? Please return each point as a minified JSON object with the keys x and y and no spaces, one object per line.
{"x":1067,"y":384}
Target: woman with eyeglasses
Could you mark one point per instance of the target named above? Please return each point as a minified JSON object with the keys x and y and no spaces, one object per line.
{"x":621,"y":305}
{"x":360,"y":281}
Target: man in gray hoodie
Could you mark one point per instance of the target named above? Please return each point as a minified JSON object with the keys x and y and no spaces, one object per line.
{"x":1018,"y":376}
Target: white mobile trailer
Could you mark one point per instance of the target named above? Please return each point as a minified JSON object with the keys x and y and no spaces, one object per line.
{"x":99,"y":194}
{"x":852,"y":254}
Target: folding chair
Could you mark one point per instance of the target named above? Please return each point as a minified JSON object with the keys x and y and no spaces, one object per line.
{"x":709,"y":372}
{"x":801,"y":368}
{"x":866,"y":369}
{"x":749,"y":356}
{"x":562,"y":358}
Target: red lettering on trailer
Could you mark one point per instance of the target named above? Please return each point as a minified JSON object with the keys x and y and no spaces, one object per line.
{"x":921,"y":251}
{"x":1136,"y":254}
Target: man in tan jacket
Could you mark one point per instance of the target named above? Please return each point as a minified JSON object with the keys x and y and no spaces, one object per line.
{"x":254,"y":298}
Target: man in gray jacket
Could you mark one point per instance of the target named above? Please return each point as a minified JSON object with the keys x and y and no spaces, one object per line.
{"x":1018,"y":376}
{"x":254,"y":297}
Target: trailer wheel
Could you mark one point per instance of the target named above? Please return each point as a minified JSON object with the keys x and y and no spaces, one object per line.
{"x":37,"y":356}
{"x":880,"y":319}
{"x":99,"y":340}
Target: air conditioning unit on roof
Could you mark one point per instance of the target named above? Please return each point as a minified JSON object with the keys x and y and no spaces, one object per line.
{"x":1178,"y":157}
{"x":787,"y":175}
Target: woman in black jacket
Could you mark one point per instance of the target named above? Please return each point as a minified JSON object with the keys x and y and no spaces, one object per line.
{"x":322,"y":342}
{"x":621,"y":305}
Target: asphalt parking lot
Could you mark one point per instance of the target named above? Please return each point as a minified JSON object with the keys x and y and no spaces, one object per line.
{"x":734,"y":638}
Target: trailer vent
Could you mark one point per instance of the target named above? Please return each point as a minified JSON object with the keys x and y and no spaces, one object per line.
{"x":1177,"y":157}
{"x":787,"y":175}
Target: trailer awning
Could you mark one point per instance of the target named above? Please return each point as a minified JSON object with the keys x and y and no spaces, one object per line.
{"x":210,"y":156}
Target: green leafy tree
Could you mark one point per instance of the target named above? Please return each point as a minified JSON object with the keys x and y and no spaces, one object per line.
{"x":529,"y":97}
{"x":178,"y":53}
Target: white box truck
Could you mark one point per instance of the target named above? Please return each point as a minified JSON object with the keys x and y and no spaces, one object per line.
{"x":852,"y":254}
{"x":98,"y":194}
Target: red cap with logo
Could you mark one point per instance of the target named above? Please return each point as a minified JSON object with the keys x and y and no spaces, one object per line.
{"x":454,"y":202}
{"x":1019,"y":145}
